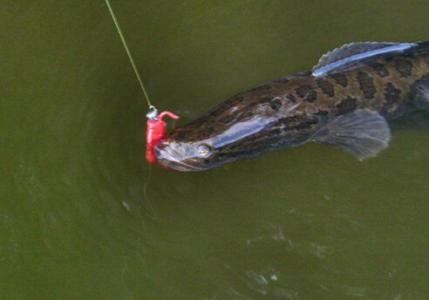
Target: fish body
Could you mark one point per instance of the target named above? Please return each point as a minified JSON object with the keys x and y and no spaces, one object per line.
{"x":346,"y":100}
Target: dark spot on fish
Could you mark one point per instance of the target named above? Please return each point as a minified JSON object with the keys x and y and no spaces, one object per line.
{"x":391,"y":93}
{"x":346,"y":105}
{"x":312,"y":96}
{"x":304,"y":125}
{"x":275,"y":104}
{"x":366,"y":84}
{"x":291,"y":98}
{"x":326,"y":87}
{"x":267,"y":100}
{"x":322,"y":114}
{"x":380,"y":69}
{"x":302,"y":90}
{"x":307,"y":93}
{"x":297,"y":122}
{"x":392,"y":99}
{"x":264,"y":100}
{"x":340,"y":79}
{"x":404,"y":67}
{"x":289,"y":121}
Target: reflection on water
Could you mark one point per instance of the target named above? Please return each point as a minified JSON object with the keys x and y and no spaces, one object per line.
{"x":82,"y":215}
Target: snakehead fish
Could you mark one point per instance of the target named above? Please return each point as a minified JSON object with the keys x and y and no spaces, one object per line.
{"x":348,"y":100}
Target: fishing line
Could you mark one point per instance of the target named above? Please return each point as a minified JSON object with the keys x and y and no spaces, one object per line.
{"x":152,"y":110}
{"x":127,"y":50}
{"x":155,"y":125}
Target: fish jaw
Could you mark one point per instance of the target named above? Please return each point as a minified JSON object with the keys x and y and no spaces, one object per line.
{"x":170,"y":157}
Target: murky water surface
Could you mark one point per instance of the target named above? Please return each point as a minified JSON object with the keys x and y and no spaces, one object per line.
{"x":79,"y":218}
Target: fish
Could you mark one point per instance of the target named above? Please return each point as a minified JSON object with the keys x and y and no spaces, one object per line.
{"x":348,"y":99}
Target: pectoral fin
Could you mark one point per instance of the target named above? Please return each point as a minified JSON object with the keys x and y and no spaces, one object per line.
{"x":364,"y":133}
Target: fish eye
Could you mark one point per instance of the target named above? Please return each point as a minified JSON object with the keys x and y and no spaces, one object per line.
{"x":204,"y":150}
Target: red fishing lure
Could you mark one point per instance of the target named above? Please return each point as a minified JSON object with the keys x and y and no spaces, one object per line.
{"x":156,"y":131}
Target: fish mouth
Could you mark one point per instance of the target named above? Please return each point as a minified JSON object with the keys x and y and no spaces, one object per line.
{"x":170,"y":159}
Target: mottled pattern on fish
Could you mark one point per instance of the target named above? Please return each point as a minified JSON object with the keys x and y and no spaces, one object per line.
{"x":296,"y":106}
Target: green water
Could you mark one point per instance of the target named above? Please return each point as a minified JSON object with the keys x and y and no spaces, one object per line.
{"x":79,"y":218}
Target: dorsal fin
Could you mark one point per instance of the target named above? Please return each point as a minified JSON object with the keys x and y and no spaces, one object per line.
{"x":348,"y":54}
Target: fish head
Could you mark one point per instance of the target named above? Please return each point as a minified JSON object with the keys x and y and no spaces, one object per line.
{"x":243,"y":126}
{"x":190,"y":149}
{"x":229,"y":132}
